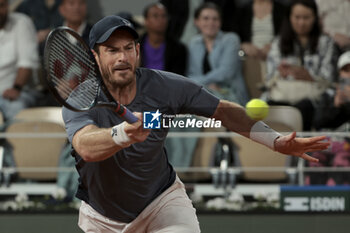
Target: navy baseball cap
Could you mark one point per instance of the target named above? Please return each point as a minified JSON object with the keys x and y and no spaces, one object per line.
{"x":104,"y":28}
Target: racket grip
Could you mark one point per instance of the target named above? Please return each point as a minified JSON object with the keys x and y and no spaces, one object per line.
{"x":128,"y":115}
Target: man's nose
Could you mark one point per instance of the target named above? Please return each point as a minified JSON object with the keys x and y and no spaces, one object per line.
{"x":122,"y":56}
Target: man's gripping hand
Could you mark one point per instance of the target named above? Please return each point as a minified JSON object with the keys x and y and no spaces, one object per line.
{"x":126,"y":134}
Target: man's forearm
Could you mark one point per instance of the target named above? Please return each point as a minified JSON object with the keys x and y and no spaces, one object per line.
{"x":234,"y":118}
{"x":95,"y":144}
{"x":23,"y":76}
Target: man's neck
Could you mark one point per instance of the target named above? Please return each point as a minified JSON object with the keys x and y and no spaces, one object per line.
{"x":125,"y":95}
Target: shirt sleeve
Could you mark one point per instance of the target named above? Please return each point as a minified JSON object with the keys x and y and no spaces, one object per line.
{"x":27,"y":47}
{"x":75,"y":121}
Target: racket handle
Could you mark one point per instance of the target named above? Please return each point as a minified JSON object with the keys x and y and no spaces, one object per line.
{"x":127,"y":114}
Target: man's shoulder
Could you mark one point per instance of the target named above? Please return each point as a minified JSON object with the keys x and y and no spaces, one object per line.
{"x":19,"y":17}
{"x":19,"y":20}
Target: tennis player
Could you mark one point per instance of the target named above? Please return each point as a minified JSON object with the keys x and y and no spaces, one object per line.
{"x":126,"y":181}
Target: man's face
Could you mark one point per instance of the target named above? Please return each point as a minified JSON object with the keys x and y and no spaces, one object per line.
{"x":345,"y":71}
{"x":73,"y":11}
{"x":118,"y":59}
{"x":3,"y":12}
{"x":157,"y":19}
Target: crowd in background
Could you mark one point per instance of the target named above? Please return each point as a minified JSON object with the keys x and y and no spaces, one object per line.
{"x":297,"y":43}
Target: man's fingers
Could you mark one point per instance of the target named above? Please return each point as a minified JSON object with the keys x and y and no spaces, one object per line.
{"x":309,"y":158}
{"x":313,"y":149}
{"x":290,"y":137}
{"x":315,"y":139}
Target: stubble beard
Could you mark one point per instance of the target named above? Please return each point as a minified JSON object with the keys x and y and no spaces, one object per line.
{"x":114,"y":84}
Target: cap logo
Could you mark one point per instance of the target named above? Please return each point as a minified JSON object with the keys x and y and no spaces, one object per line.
{"x":127,"y":23}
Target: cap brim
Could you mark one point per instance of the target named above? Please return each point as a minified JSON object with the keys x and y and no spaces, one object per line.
{"x":108,"y":33}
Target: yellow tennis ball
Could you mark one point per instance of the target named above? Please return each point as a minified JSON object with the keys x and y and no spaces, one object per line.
{"x":257,"y":109}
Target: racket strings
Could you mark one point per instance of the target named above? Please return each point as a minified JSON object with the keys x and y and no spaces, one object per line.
{"x":72,"y":71}
{"x":65,"y":88}
{"x":64,"y":84}
{"x":62,"y":40}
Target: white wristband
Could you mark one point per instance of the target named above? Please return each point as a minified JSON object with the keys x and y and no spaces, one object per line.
{"x":119,"y":136}
{"x":263,"y":134}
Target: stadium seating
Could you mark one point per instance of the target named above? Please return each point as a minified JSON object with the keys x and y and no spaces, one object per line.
{"x":37,"y":151}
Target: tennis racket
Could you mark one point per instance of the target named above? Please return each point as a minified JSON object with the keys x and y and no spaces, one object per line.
{"x":73,"y":76}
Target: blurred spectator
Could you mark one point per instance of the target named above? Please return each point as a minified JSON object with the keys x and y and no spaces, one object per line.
{"x":342,"y":96}
{"x":18,"y":60}
{"x":260,"y":21}
{"x":45,"y":16}
{"x":333,"y":114}
{"x":181,"y":25}
{"x":213,"y":56}
{"x":301,"y":61}
{"x":335,"y":19}
{"x":337,"y":156}
{"x":74,"y":16}
{"x":74,"y":13}
{"x":159,"y":51}
{"x":335,"y":110}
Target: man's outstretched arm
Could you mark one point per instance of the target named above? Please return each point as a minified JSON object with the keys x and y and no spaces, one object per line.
{"x":234,"y":118}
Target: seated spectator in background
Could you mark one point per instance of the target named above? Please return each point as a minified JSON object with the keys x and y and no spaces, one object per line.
{"x":259,"y":22}
{"x":333,"y":114}
{"x":213,"y":57}
{"x":181,"y":25}
{"x":336,"y":110}
{"x":74,"y":16}
{"x":335,"y":19}
{"x":342,"y":96}
{"x":45,"y":16}
{"x":18,"y":60}
{"x":337,"y":156}
{"x":301,"y":61}
{"x":74,"y":13}
{"x":158,"y":51}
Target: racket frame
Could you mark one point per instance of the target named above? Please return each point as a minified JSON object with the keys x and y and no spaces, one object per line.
{"x":113,"y":105}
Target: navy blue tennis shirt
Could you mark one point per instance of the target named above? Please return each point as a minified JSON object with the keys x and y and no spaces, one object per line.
{"x":121,"y":186}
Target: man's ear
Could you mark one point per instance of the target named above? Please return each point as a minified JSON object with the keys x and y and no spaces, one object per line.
{"x":97,"y":58}
{"x":137,"y":48}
